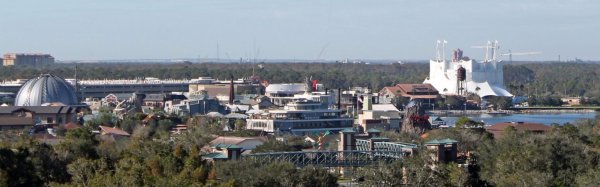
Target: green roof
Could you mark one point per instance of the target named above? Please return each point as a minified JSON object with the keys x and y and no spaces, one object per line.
{"x":448,"y":140}
{"x":347,"y":131}
{"x":432,"y":142}
{"x":227,"y":146}
{"x":442,"y":141}
{"x":373,"y":130}
{"x":214,"y":156}
{"x":379,"y":138}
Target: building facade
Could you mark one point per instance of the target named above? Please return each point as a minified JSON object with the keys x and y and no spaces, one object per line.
{"x":27,"y":59}
{"x":300,"y":117}
{"x":17,"y":117}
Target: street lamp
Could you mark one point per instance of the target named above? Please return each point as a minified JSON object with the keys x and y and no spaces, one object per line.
{"x":465,"y":110}
{"x":433,"y":105}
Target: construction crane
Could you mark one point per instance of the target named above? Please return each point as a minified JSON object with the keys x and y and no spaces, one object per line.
{"x":491,"y":49}
{"x":510,"y":54}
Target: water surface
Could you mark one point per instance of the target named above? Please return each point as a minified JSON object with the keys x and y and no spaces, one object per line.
{"x":544,"y":118}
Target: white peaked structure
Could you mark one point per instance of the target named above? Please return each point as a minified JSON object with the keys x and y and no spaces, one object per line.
{"x":463,"y":75}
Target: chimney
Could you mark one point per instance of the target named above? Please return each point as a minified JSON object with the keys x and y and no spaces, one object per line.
{"x":231,"y":91}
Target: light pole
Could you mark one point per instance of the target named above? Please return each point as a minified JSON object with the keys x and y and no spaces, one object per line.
{"x":465,"y":110}
{"x":433,"y":105}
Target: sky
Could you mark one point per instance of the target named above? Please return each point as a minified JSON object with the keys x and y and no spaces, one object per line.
{"x":303,"y":29}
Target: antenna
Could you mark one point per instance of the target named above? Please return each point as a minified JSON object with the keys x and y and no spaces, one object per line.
{"x":495,"y":48}
{"x":437,"y":50}
{"x":444,"y":50}
{"x":487,"y":51}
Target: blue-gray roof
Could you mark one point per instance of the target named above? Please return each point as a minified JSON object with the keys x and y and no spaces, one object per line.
{"x":214,"y":156}
{"x":442,"y":141}
{"x":46,"y":89}
{"x":226,"y":146}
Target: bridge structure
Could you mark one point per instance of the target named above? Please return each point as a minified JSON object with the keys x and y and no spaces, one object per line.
{"x":327,"y":158}
{"x":365,"y":152}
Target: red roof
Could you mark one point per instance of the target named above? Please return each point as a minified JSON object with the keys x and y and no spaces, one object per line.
{"x":417,"y":88}
{"x":113,"y":130}
{"x":498,"y":129}
{"x":414,"y":91}
{"x":393,"y":90}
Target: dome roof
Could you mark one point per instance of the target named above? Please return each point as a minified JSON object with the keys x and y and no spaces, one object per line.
{"x":46,"y":89}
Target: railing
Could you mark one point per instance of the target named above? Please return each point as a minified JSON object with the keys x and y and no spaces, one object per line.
{"x":363,"y":145}
{"x":327,"y":158}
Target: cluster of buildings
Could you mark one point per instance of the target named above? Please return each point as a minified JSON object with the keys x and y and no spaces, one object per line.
{"x":351,"y":119}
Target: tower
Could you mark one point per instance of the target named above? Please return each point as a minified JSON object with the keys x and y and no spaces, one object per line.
{"x":461,"y":76}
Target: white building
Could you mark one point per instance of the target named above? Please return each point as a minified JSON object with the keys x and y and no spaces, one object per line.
{"x":300,"y":117}
{"x":485,"y":78}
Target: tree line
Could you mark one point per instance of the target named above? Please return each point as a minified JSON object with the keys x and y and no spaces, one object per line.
{"x":540,"y":80}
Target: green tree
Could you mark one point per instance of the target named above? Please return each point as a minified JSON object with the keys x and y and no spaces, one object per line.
{"x":464,"y":121}
{"x":78,"y":143}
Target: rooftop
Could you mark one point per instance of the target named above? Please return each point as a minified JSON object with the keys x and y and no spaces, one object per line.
{"x":442,"y":141}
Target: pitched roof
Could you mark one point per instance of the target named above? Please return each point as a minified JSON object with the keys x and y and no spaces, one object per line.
{"x":379,"y":138}
{"x":393,"y":90}
{"x":423,"y":88}
{"x":113,"y":130}
{"x":234,"y":140}
{"x":38,"y":109}
{"x":236,"y":116}
{"x":226,"y":146}
{"x":214,"y":156}
{"x":442,"y":141}
{"x":385,"y":107}
{"x":214,"y":114}
{"x":520,"y":126}
{"x":498,"y":129}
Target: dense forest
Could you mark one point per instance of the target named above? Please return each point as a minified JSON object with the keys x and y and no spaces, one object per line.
{"x":555,"y":79}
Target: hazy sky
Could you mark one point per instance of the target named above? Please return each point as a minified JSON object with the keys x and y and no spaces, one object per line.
{"x":326,"y":29}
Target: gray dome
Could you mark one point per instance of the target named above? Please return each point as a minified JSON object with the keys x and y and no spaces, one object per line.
{"x":46,"y":89}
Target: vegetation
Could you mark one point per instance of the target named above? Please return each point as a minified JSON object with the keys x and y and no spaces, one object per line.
{"x":567,"y":155}
{"x":146,"y":159}
{"x":540,"y":80}
{"x":467,"y":122}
